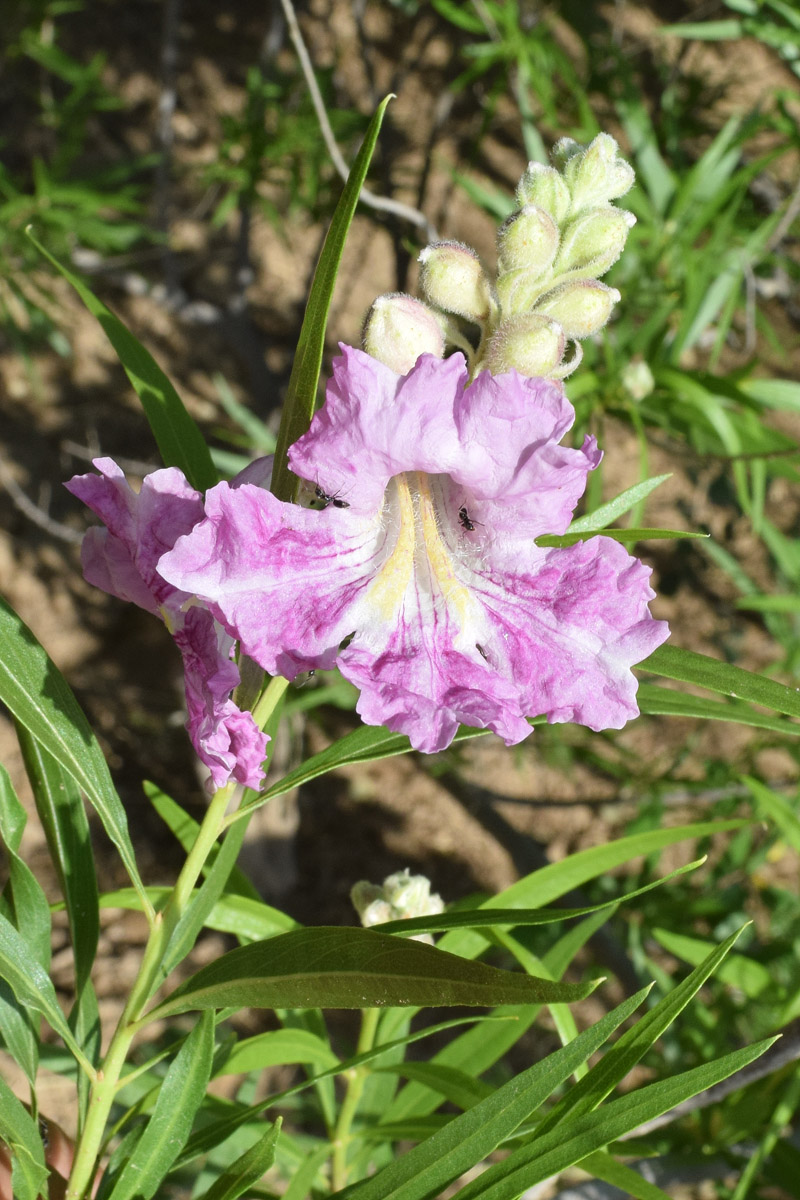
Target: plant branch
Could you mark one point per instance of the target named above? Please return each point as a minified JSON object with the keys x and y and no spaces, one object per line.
{"x":381,"y":203}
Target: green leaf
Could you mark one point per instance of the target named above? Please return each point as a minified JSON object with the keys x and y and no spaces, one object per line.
{"x":660,"y":701}
{"x":23,"y":901}
{"x":626,"y":537}
{"x":301,"y":395}
{"x":19,"y":1132}
{"x":629,"y":1182}
{"x":778,"y":809}
{"x":37,"y":694}
{"x":459,"y":1087}
{"x":690,"y":667}
{"x":354,"y":968}
{"x":247,"y":1169}
{"x":616,"y":508}
{"x":739,"y":971}
{"x":468,"y":1139}
{"x":250,"y":920}
{"x":633,"y":1045}
{"x":368,"y":743}
{"x":549,"y":1153}
{"x":170,"y":1124}
{"x":66,"y":828}
{"x":179,"y":440}
{"x":31,"y":984}
{"x":480,"y":918}
{"x":275,"y":1048}
{"x":186,"y":829}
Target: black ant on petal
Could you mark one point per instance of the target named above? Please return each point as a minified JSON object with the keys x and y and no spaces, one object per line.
{"x":327,"y":499}
{"x":466,"y":522}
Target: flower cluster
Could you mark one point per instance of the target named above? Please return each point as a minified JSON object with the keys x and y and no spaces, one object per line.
{"x":414,"y":565}
{"x":564,"y":234}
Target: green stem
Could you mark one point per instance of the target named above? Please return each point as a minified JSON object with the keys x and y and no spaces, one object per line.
{"x":106,"y":1084}
{"x":356,"y":1079}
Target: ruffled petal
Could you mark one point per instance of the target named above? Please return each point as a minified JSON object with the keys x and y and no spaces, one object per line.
{"x":226,"y":740}
{"x":140,"y":526}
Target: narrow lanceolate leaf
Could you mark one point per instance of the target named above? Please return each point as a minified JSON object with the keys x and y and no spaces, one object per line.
{"x":36,"y":693}
{"x":565,"y":1145}
{"x":616,"y":508}
{"x":466,"y":1140}
{"x":170,"y":1124}
{"x":365,"y":744}
{"x":660,"y":701}
{"x":22,"y":901}
{"x":480,"y":918}
{"x":276,"y":1048}
{"x":689,"y":667}
{"x":355,"y":968}
{"x":178,"y":438}
{"x":19,"y":1132}
{"x":301,"y":396}
{"x":30,"y":983}
{"x":633,"y":1045}
{"x":626,"y":537}
{"x":66,"y":828}
{"x":246,"y":1170}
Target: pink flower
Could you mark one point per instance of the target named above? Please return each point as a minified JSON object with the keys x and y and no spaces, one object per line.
{"x":421,"y":579}
{"x":123,"y":559}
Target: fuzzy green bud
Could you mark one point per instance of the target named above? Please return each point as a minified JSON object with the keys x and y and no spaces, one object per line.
{"x":452,"y":278}
{"x":593,"y":241}
{"x":527,"y":240}
{"x":544,"y":187}
{"x":399,"y":328}
{"x":596,"y":174}
{"x":529,"y":343}
{"x":581,"y":307}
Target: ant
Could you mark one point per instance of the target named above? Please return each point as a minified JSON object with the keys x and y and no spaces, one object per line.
{"x":335,"y":500}
{"x":466,"y":522}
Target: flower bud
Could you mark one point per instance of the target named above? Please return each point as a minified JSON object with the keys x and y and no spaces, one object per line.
{"x":400,"y":896}
{"x":529,"y":343}
{"x":544,"y":187}
{"x":452,"y":278}
{"x":637,"y":379}
{"x":594,"y":241}
{"x":529,"y":240}
{"x":398,"y":329}
{"x":581,"y":307}
{"x":596,"y":174}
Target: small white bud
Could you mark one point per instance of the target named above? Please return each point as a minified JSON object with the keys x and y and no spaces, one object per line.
{"x":637,"y":379}
{"x":529,"y":343}
{"x":593,"y":241}
{"x":596,"y":173}
{"x":544,"y":187}
{"x":399,"y":328}
{"x":581,"y":307}
{"x":452,"y":278}
{"x":527,"y":240}
{"x":400,"y":896}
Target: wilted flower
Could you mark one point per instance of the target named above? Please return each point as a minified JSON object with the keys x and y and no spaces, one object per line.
{"x":123,"y":559}
{"x":421,"y":578}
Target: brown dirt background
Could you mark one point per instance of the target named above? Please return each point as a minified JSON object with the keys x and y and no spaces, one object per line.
{"x":470,"y":820}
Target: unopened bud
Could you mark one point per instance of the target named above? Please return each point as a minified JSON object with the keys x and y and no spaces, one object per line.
{"x":594,"y":241}
{"x":452,"y":278}
{"x":529,"y":240}
{"x":544,"y":187}
{"x":398,"y":329}
{"x":637,"y":379}
{"x":401,"y":895}
{"x":529,"y":343}
{"x":581,"y":307}
{"x":597,"y":174}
